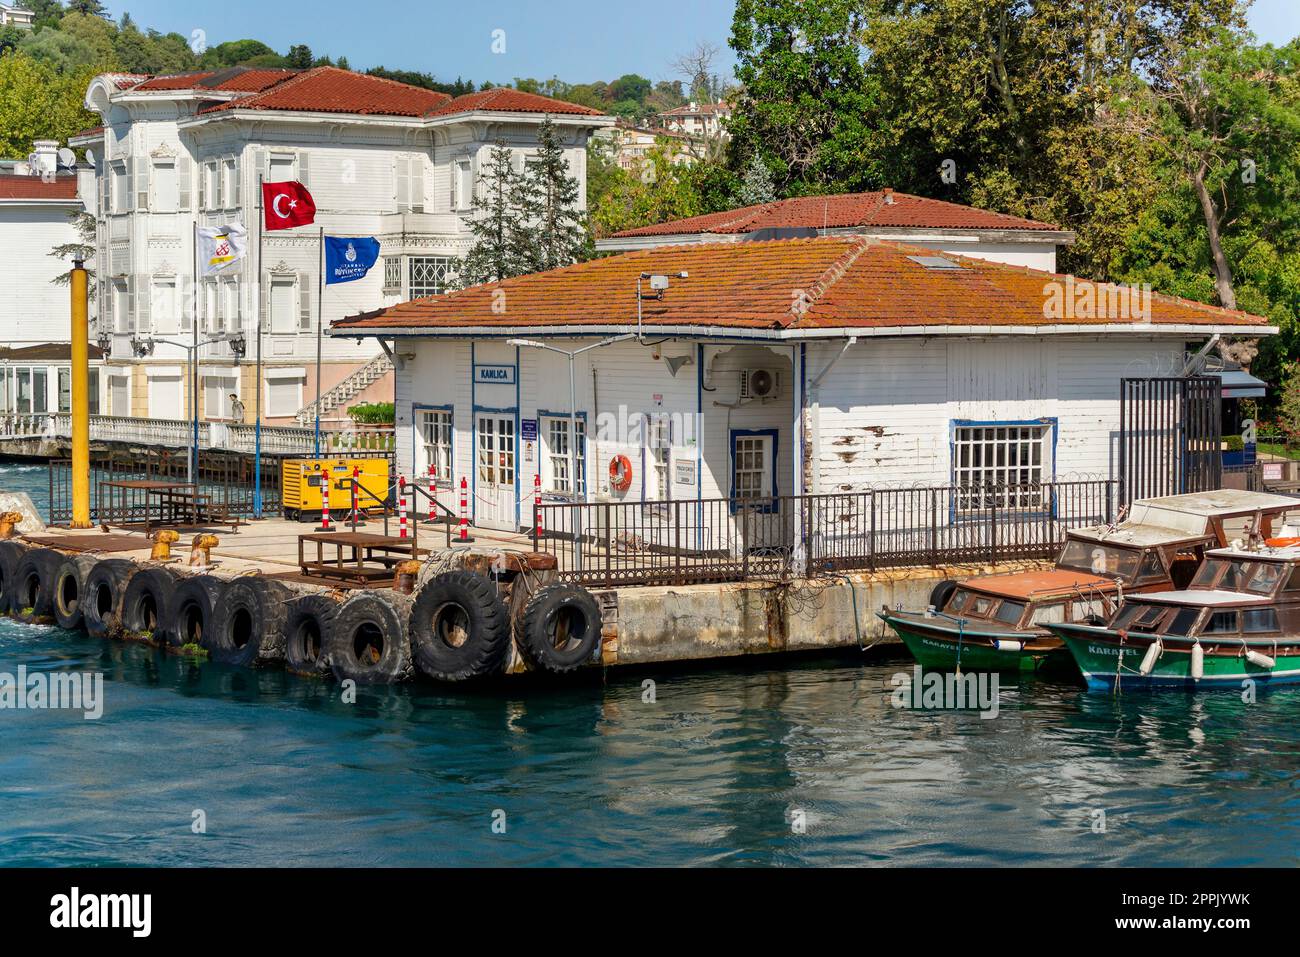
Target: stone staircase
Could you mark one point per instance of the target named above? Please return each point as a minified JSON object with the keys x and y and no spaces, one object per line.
{"x":347,"y":390}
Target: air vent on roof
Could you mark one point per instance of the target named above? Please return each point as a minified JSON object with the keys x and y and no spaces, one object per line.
{"x":782,"y":232}
{"x":935,"y":262}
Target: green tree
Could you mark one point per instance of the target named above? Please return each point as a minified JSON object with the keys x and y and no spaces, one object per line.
{"x":299,"y":56}
{"x":39,"y":102}
{"x":549,"y":201}
{"x":756,"y":187}
{"x":804,"y":97}
{"x":84,"y":249}
{"x":496,"y":222}
{"x":89,"y":8}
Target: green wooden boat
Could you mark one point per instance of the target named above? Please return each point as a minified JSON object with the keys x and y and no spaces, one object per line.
{"x":1239,"y":622}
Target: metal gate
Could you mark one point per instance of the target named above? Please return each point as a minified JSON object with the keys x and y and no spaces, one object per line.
{"x":1169,"y":440}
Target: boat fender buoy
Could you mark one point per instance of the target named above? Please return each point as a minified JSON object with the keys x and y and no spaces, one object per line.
{"x":1260,"y":661}
{"x":1198,"y":662}
{"x":1150,"y":658}
{"x":620,"y":473}
{"x":1005,"y":644}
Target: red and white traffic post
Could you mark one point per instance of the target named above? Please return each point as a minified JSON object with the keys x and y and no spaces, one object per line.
{"x":537,"y":503}
{"x":464,"y":509}
{"x":401,"y":506}
{"x":325,"y":500}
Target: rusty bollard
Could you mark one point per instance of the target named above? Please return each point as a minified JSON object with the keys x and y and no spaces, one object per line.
{"x":7,"y":522}
{"x":407,"y":573}
{"x":163,"y":539}
{"x":201,"y":550}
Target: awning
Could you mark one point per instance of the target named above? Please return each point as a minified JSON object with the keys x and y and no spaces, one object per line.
{"x":1241,"y":385}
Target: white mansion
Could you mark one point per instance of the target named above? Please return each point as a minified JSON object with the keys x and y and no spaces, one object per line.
{"x":380,"y":158}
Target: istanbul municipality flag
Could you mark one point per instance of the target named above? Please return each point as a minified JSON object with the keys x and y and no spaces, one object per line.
{"x":349,"y":259}
{"x":220,"y":246}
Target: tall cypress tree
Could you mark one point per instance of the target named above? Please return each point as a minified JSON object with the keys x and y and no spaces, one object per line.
{"x":549,"y":200}
{"x":496,"y":222}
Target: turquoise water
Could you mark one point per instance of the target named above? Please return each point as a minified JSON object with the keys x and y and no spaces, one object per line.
{"x":590,"y":773}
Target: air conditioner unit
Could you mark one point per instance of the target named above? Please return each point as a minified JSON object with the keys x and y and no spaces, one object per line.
{"x":759,"y":383}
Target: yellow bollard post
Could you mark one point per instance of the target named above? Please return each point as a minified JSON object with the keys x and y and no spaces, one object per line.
{"x":80,"y":399}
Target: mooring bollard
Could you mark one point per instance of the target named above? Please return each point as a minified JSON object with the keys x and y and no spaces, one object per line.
{"x":201,"y":550}
{"x":401,"y":506}
{"x":406,"y":575}
{"x":7,"y":522}
{"x":163,"y":539}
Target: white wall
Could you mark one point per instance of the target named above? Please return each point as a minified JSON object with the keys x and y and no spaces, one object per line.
{"x":884,"y":413}
{"x":32,"y":308}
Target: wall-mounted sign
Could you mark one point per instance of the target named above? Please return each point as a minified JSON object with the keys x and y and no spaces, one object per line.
{"x":1272,"y":471}
{"x":528,"y":430}
{"x":494,"y":375}
{"x":685,"y":472}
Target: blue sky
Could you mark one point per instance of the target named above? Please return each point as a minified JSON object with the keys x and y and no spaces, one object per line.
{"x":577,"y":40}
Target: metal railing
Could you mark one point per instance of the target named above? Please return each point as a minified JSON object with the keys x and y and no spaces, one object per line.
{"x":717,"y":540}
{"x":178,"y":434}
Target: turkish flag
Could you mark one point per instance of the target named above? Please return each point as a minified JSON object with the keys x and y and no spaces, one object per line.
{"x":287,"y":205}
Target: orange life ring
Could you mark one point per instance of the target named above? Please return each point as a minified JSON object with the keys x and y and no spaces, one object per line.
{"x":620,"y":473}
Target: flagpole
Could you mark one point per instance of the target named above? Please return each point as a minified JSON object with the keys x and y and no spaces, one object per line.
{"x":194,"y":363}
{"x":261,"y":297}
{"x":320,"y":320}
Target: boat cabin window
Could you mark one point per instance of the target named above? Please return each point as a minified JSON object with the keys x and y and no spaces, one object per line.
{"x":1221,"y":623}
{"x":1134,"y":617}
{"x":980,"y":606}
{"x":1256,"y":578}
{"x":1152,"y":567}
{"x":1293,"y":583}
{"x":1106,"y":561}
{"x":1049,"y":613}
{"x":958,"y":600}
{"x":1265,"y":578}
{"x":1183,"y":621}
{"x":1010,"y":612}
{"x":1258,"y":621}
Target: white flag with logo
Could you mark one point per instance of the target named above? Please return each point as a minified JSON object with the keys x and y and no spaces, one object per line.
{"x":220,"y":247}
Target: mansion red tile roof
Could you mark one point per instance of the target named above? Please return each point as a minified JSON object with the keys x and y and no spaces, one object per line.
{"x":328,"y":89}
{"x":847,"y":210}
{"x":801,"y":284}
{"x":505,"y":100}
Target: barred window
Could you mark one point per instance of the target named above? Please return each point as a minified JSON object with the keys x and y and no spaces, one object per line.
{"x":393,"y":275}
{"x":428,"y":275}
{"x":1006,"y":464}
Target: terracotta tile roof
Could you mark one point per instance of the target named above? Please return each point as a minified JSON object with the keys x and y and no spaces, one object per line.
{"x":505,"y":100}
{"x":327,"y":89}
{"x":846,"y":210}
{"x":47,"y":351}
{"x":232,"y":80}
{"x":845,"y":282}
{"x":63,"y":186}
{"x":86,"y":134}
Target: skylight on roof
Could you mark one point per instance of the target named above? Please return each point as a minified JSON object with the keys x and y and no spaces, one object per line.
{"x":935,"y":262}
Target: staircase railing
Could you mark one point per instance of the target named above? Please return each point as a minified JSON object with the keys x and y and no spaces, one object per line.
{"x":336,"y":395}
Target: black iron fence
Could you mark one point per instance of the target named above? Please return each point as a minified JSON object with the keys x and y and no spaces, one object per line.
{"x":717,"y":540}
{"x":227,"y":478}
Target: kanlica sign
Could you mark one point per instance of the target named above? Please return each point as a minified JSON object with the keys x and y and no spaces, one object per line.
{"x":494,"y":375}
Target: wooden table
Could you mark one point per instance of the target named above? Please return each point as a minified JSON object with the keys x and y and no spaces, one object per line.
{"x":370,"y":557}
{"x":123,"y":500}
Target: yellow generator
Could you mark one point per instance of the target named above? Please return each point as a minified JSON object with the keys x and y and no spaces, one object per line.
{"x":300,"y":486}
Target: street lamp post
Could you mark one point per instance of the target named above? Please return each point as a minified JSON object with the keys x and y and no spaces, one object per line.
{"x":573,"y":415}
{"x":145,"y":347}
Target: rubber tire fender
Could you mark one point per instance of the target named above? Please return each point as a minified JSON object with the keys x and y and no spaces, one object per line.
{"x":941,"y":592}
{"x":248,"y":623}
{"x":192,"y":609}
{"x":555,"y":606}
{"x":101,"y":608}
{"x":362,"y":612}
{"x":470,"y":600}
{"x":69,"y":588}
{"x":309,"y":621}
{"x":11,"y":553}
{"x":33,"y":585}
{"x":146,"y":604}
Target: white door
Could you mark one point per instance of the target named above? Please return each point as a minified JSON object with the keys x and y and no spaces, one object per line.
{"x":758,"y":523}
{"x":494,"y":437}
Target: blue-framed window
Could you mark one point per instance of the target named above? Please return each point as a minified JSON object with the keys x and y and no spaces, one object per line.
{"x":1003,"y":464}
{"x":753,"y":468}
{"x":554,"y":429}
{"x":434,"y":432}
